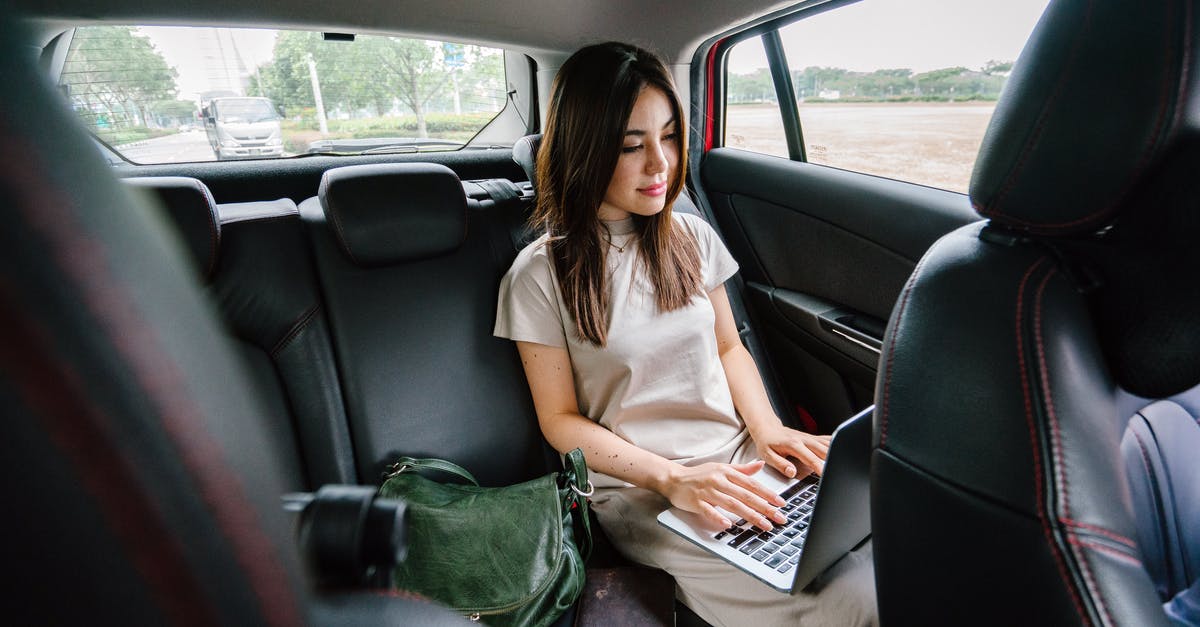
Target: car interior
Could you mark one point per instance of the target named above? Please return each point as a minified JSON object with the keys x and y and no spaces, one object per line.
{"x":186,"y":343}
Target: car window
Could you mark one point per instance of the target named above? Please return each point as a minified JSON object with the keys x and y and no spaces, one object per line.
{"x":179,"y":94}
{"x":903,"y":90}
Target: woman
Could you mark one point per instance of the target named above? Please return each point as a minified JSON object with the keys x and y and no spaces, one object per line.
{"x":630,"y":348}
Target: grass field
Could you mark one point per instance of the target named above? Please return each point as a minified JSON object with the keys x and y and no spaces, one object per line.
{"x":928,"y":143}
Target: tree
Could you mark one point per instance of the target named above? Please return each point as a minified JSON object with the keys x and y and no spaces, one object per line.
{"x":284,"y":79}
{"x":112,"y":70}
{"x":173,"y":111}
{"x":755,"y":86}
{"x":369,"y":73}
{"x":939,"y":81}
{"x":814,"y":79}
{"x":997,"y":67}
{"x":415,"y":70}
{"x":482,"y":79}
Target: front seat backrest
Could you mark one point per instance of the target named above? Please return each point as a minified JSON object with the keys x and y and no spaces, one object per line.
{"x":140,"y":487}
{"x":131,"y":459}
{"x":999,"y":494}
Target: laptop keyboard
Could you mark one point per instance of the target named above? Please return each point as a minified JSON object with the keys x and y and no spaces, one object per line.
{"x":778,"y":549}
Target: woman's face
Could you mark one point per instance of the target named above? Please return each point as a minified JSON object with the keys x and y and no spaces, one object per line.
{"x":649,"y":155}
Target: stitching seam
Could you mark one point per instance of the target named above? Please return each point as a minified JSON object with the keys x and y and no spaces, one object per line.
{"x":300,"y":324}
{"x":1108,"y":550}
{"x":1116,"y":537}
{"x":887,"y":381}
{"x":1063,"y":489}
{"x":1155,"y":494}
{"x":1035,"y":448}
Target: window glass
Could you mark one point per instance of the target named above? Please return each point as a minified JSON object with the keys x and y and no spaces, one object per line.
{"x":752,"y":117}
{"x":900,"y":89}
{"x":176,"y":94}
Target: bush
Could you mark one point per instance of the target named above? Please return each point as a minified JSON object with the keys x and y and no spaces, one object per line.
{"x":925,"y":98}
{"x":298,"y":134}
{"x":438,"y":125}
{"x":117,"y":137}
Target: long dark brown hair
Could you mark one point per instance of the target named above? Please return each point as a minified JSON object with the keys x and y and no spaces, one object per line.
{"x":592,"y":99}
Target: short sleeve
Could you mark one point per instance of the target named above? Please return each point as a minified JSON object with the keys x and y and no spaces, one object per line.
{"x":527,"y":307}
{"x":716,"y":264}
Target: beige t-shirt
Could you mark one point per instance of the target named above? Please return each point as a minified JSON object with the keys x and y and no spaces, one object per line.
{"x":659,"y":382}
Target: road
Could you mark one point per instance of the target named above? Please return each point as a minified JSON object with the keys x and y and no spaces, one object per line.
{"x":179,"y":148}
{"x":928,"y":143}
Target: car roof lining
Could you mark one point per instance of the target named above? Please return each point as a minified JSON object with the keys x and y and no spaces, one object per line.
{"x":546,"y":30}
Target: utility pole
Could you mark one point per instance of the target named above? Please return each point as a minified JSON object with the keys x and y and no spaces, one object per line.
{"x":457,"y":101}
{"x":316,"y":87}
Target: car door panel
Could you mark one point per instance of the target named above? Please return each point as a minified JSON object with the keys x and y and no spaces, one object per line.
{"x":825,"y":254}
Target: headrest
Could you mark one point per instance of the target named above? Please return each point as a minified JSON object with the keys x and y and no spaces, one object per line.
{"x":394,"y":212}
{"x":190,"y":206}
{"x":1095,"y":102}
{"x":525,"y":154}
{"x":1094,"y":149}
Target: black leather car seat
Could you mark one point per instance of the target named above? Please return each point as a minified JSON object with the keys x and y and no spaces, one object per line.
{"x":1161,"y":448}
{"x":999,"y":491}
{"x":141,"y":487}
{"x":256,"y":265}
{"x":410,"y":266}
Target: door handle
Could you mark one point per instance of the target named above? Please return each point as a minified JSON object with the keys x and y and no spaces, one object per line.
{"x":854,"y":328}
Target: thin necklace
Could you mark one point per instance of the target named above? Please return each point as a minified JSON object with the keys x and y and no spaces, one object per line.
{"x":608,"y":236}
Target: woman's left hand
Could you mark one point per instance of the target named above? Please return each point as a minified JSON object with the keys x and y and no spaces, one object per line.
{"x":776,"y":443}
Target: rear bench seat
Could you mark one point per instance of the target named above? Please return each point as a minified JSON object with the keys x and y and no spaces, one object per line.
{"x":366,"y":318}
{"x":401,"y":323}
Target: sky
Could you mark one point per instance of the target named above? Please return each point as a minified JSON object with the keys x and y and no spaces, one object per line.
{"x":192,"y":52}
{"x":920,"y":35}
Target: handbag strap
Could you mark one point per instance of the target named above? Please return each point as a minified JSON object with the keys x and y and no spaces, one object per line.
{"x":577,"y":479}
{"x":405,"y":464}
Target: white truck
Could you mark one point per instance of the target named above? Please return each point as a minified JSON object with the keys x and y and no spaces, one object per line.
{"x":242,"y":127}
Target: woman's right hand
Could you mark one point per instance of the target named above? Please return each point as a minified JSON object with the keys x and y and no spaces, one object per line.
{"x":702,"y":489}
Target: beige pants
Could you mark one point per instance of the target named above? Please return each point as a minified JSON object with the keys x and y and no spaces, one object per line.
{"x":722,"y":594}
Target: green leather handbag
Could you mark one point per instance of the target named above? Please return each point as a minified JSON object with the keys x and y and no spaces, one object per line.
{"x":505,"y":556}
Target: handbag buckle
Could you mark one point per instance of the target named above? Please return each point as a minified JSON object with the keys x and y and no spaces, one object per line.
{"x":591,"y":489}
{"x":395,"y":469}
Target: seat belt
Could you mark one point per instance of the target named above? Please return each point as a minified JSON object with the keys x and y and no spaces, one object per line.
{"x":735,"y":289}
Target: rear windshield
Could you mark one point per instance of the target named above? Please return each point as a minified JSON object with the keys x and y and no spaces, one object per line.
{"x":180,"y":94}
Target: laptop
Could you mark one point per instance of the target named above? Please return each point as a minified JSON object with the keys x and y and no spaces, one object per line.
{"x":827,"y":516}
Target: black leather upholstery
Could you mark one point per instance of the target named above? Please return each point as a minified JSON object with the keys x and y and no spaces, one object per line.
{"x":141,"y":486}
{"x":132,"y":457}
{"x":524,"y":152}
{"x":1065,"y":149}
{"x":192,"y":208}
{"x":422,"y":374}
{"x":1160,"y":450}
{"x":394,"y":212}
{"x":999,"y":494}
{"x":265,"y":288}
{"x":1069,"y":156}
